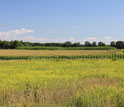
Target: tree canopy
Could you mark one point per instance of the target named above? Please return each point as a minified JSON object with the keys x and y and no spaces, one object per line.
{"x":14,"y":44}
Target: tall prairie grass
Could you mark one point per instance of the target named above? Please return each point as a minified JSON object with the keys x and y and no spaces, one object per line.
{"x":62,"y":83}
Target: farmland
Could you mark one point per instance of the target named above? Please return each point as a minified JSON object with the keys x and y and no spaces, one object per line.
{"x":61,"y":53}
{"x":83,"y":82}
{"x":55,"y":52}
{"x":66,"y":48}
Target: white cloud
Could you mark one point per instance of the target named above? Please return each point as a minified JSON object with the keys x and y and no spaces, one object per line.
{"x":91,"y":38}
{"x":18,"y":35}
{"x":114,"y":40}
{"x":57,"y":40}
{"x":15,"y":32}
{"x":33,"y":39}
{"x":108,"y":37}
{"x":42,"y":39}
{"x":30,"y":38}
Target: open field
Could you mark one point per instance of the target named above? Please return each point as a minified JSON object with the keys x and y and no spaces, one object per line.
{"x":62,"y":83}
{"x":56,"y":52}
{"x":96,"y":80}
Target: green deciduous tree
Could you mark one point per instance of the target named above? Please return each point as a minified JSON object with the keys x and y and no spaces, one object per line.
{"x":87,"y":43}
{"x":94,"y":44}
{"x":101,"y":44}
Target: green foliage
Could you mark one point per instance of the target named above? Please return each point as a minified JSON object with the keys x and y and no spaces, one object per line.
{"x":17,"y":44}
{"x":66,"y":48}
{"x":101,"y":56}
{"x":10,"y":45}
{"x":113,"y":43}
{"x":77,"y":44}
{"x":94,"y":44}
{"x":101,"y":44}
{"x":120,"y":44}
{"x":67,"y":44}
{"x":87,"y":43}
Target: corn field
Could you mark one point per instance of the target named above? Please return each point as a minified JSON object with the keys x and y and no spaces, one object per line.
{"x":66,"y":48}
{"x":111,"y":56}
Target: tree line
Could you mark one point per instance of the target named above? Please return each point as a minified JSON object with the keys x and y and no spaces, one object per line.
{"x":14,"y":44}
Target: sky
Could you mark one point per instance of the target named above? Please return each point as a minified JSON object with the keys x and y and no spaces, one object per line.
{"x":62,"y":20}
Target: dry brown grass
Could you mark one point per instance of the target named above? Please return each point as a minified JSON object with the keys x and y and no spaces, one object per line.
{"x":55,"y":52}
{"x":54,"y":96}
{"x":99,"y":82}
{"x":44,"y":96}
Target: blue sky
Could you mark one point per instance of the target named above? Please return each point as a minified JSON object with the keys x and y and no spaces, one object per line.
{"x":62,"y":20}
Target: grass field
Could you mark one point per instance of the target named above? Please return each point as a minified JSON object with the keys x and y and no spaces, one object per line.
{"x":62,"y":83}
{"x":61,"y":78}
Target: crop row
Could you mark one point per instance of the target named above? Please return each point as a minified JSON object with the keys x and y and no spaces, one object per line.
{"x":66,"y":48}
{"x":112,"y":56}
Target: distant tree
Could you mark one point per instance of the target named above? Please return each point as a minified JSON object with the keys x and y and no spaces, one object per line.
{"x":113,"y":44}
{"x":77,"y":44}
{"x":36,"y":44}
{"x":67,"y":44}
{"x":26,"y":43}
{"x":59,"y":44}
{"x":101,"y":44}
{"x":0,"y":44}
{"x":94,"y":44}
{"x":120,"y":44}
{"x":87,"y":43}
{"x":5,"y":45}
{"x":16,"y":44}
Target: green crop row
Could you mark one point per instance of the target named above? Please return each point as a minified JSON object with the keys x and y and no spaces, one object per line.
{"x":66,"y":48}
{"x":112,"y":56}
